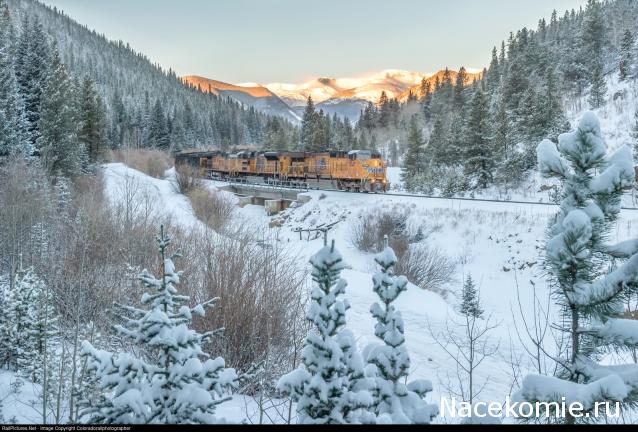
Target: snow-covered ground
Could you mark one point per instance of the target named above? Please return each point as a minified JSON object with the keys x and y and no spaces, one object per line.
{"x":497,"y":243}
{"x":19,"y":400}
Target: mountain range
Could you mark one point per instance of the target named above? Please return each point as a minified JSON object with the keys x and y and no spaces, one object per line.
{"x":345,"y":97}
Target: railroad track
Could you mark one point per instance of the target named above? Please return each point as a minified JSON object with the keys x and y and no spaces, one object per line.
{"x":266,"y":185}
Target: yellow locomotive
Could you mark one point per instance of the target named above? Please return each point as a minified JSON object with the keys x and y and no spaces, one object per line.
{"x":356,"y":171}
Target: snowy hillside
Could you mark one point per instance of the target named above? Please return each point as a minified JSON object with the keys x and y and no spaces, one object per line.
{"x":617,"y":115}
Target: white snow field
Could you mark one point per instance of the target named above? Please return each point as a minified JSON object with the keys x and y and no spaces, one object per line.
{"x":497,"y":243}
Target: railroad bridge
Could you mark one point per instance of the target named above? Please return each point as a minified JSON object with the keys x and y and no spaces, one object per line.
{"x":274,"y":198}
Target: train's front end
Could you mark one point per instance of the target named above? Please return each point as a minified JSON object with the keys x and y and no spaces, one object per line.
{"x":377,"y":174}
{"x":373,"y":171}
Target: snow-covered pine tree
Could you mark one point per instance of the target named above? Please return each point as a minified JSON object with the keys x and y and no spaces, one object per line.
{"x":13,"y":323}
{"x":395,"y":399}
{"x":58,"y":141}
{"x":32,"y":68}
{"x":42,"y":330}
{"x":19,"y":324}
{"x":598,"y":88}
{"x":413,"y":162}
{"x":92,"y":130}
{"x":459,"y":87}
{"x":591,"y":280}
{"x":307,"y":124}
{"x":329,"y":386}
{"x":554,"y":120}
{"x":158,"y":135}
{"x":30,"y":332}
{"x":479,"y":154}
{"x":593,"y":37}
{"x":13,"y":124}
{"x":470,"y":301}
{"x":627,"y":57}
{"x":171,"y":384}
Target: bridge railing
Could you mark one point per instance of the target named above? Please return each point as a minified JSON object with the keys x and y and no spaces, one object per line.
{"x":274,"y":186}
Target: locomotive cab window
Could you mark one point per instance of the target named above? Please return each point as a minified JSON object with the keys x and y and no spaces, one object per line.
{"x":361,"y":155}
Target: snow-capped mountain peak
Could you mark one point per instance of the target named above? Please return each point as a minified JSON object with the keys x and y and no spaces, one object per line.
{"x":367,"y":88}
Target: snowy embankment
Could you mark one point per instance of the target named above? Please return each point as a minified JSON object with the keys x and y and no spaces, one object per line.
{"x":497,"y":243}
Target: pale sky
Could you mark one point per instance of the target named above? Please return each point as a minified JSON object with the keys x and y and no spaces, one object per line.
{"x":294,"y":40}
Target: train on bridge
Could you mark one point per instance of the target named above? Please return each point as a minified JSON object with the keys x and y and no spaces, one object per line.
{"x":355,"y":171}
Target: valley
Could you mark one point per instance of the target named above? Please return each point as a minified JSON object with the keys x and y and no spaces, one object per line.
{"x":344,"y":248}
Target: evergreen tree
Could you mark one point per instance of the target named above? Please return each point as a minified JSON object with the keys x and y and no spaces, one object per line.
{"x":453,"y":152}
{"x":395,"y":399}
{"x":329,"y":387}
{"x":13,"y":126}
{"x":413,"y":163}
{"x":593,"y":34}
{"x":18,"y":325}
{"x":598,"y":88}
{"x":554,"y":119}
{"x":58,"y":142}
{"x":627,"y":47}
{"x":529,"y":116}
{"x":31,"y":327}
{"x":33,"y":61}
{"x":368,"y":117}
{"x":446,"y":88}
{"x":437,"y":150}
{"x":385,"y":110}
{"x":590,"y":279}
{"x":479,"y":155}
{"x":494,"y":72}
{"x":308,"y":124}
{"x":501,"y":132}
{"x":426,"y":99}
{"x":172,"y":385}
{"x":158,"y":134}
{"x":37,"y":363}
{"x":470,"y":302}
{"x":92,"y":121}
{"x":459,"y":86}
{"x":425,"y":88}
{"x":516,"y":83}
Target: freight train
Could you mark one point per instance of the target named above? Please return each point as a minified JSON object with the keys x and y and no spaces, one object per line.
{"x":355,"y":171}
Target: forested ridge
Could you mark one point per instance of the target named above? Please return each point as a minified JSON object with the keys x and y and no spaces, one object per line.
{"x":138,"y":104}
